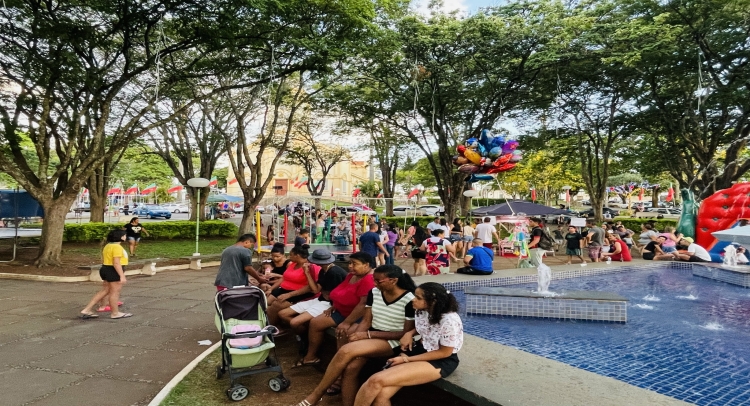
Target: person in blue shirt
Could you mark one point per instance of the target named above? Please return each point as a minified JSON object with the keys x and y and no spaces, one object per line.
{"x":369,"y":242}
{"x":478,"y":259}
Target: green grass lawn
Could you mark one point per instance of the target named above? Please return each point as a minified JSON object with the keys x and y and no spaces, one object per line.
{"x":158,"y":248}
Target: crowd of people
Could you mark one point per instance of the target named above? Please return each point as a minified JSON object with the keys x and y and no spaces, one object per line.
{"x":411,"y":334}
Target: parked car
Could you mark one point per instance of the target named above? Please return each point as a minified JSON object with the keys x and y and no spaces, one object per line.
{"x":659,"y":213}
{"x":177,"y":207}
{"x":241,"y":207}
{"x":432,"y":210}
{"x":406,"y":211}
{"x":357,"y":210}
{"x":590,"y":212}
{"x":152,"y":211}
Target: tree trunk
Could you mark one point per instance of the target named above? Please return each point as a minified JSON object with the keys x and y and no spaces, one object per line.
{"x":388,"y":205}
{"x":204,"y":197}
{"x":655,"y":197}
{"x":248,"y":216}
{"x":50,"y":244}
{"x":317,"y":202}
{"x":452,"y":193}
{"x":98,"y":188}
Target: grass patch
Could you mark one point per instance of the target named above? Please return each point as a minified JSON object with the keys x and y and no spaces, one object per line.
{"x":200,"y":387}
{"x":159,"y":248}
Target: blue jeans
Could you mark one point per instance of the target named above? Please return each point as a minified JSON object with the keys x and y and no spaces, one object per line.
{"x":389,"y":259}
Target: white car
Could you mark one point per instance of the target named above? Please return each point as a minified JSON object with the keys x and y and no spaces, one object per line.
{"x":358,"y":210}
{"x":406,"y":211}
{"x":432,"y":210}
{"x":176,"y":207}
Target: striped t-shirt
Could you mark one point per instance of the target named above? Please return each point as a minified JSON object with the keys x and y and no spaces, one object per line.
{"x":390,"y":316}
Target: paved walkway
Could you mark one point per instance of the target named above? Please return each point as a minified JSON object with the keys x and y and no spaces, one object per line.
{"x":49,"y":357}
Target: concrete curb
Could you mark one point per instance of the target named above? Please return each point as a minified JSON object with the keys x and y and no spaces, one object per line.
{"x":164,"y":392}
{"x":86,"y":278}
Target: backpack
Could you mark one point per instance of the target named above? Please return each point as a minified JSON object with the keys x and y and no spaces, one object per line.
{"x":546,"y":241}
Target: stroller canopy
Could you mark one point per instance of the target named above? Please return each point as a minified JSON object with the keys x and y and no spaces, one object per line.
{"x":240,"y":303}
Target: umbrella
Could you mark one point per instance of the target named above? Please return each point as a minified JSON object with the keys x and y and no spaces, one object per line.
{"x":512,"y":207}
{"x":737,"y":234}
{"x":224,"y":198}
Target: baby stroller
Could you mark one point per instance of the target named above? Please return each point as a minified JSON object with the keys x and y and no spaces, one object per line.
{"x":246,"y":339}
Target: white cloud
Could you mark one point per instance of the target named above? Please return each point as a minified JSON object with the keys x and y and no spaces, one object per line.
{"x":423,"y":6}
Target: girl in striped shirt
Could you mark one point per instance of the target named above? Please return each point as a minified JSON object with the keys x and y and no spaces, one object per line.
{"x":389,"y":313}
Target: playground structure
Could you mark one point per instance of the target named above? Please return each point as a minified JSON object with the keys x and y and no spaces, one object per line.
{"x":722,"y":210}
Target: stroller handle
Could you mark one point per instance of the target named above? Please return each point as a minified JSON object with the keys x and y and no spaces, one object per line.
{"x":267,"y":331}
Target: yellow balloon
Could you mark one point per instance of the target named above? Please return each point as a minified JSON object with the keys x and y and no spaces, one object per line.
{"x":473,"y":156}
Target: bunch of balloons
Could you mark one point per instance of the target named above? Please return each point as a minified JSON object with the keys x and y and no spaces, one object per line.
{"x":488,"y":155}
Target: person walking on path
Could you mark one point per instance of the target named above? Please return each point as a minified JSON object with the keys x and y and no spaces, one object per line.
{"x":478,"y":260}
{"x":133,"y":231}
{"x":236,"y":264}
{"x":485,"y":232}
{"x":468,"y":237}
{"x":540,"y":242}
{"x":370,"y":243}
{"x":390,"y":245}
{"x":595,"y":239}
{"x":111,"y":272}
{"x":574,"y":245}
{"x":438,"y":253}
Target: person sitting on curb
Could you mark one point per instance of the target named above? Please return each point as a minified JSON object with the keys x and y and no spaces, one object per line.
{"x":653,"y":250}
{"x":478,"y":259}
{"x":694,"y":253}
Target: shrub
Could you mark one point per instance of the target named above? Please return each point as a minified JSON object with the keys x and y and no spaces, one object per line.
{"x":163,"y":230}
{"x":635,"y":223}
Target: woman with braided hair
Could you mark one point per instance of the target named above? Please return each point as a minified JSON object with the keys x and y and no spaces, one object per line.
{"x":431,"y":358}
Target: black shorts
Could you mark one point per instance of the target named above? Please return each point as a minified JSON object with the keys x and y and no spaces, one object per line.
{"x":108,"y":273}
{"x":445,"y":365}
{"x":418,"y":254}
{"x":648,"y":256}
{"x":294,"y":299}
{"x":693,"y":258}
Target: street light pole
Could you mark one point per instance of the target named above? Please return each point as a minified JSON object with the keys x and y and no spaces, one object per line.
{"x":197,"y":183}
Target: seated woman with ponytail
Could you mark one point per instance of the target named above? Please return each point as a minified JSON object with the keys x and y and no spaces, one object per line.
{"x":388,"y":315}
{"x":431,"y":358}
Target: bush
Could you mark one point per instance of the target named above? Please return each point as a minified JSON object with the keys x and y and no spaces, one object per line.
{"x":164,"y":230}
{"x":635,"y":223}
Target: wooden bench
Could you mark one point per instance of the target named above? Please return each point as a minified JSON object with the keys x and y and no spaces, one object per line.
{"x":195,"y":260}
{"x":142,"y":267}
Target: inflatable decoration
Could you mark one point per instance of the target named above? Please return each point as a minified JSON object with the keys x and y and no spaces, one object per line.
{"x":723,"y":210}
{"x":483,"y":157}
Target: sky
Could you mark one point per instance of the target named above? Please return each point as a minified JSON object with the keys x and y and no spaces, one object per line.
{"x":465,"y":6}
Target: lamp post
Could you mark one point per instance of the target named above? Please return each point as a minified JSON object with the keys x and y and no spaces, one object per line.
{"x":197,"y":183}
{"x":471,"y":193}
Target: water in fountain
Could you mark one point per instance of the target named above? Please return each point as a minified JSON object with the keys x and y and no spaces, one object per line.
{"x":730,"y":255}
{"x":544,"y":277}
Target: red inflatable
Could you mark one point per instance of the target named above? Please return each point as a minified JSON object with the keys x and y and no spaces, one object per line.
{"x":721,"y":211}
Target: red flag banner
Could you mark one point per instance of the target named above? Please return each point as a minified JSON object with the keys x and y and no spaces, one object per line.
{"x":567,"y":196}
{"x":232,"y":182}
{"x":213,"y":181}
{"x":640,"y":195}
{"x":114,"y":191}
{"x":670,"y":193}
{"x":356,"y":192}
{"x":149,"y":189}
{"x":132,"y":190}
{"x":533,"y":195}
{"x":174,"y":189}
{"x":413,"y":193}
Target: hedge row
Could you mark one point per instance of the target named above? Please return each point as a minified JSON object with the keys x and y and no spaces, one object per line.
{"x":635,"y":223}
{"x":163,"y":230}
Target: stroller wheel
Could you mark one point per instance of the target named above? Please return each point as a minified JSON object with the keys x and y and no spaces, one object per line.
{"x":219,"y":372}
{"x":278,"y":384}
{"x":237,"y":393}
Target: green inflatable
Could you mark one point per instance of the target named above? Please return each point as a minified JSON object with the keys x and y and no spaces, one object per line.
{"x":688,"y":221}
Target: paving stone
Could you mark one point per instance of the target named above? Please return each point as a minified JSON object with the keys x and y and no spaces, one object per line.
{"x":33,"y":348}
{"x":100,"y":391}
{"x":185,"y":320}
{"x":172,"y":304}
{"x":46,"y":309}
{"x":18,"y":386}
{"x":144,"y":336}
{"x":33,"y":326}
{"x":204,"y":307}
{"x":204,"y":294}
{"x":153,"y":365}
{"x":88,"y":359}
{"x":87,"y":330}
{"x":11,"y":304}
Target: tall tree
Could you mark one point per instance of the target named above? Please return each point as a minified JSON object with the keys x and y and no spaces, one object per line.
{"x":443,"y":80}
{"x":313,"y":147}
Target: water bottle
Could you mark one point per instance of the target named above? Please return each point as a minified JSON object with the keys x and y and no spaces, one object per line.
{"x":609,"y":260}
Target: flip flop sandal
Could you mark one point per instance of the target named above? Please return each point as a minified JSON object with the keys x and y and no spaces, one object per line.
{"x":302,"y":363}
{"x":86,"y":316}
{"x":107,"y":308}
{"x":122,"y":316}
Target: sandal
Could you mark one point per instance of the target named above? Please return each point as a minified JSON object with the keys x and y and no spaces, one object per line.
{"x":122,"y":316}
{"x":86,"y":316}
{"x":107,"y":308}
{"x":302,"y":363}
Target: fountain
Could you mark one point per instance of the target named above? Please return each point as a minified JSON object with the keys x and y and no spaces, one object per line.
{"x":578,"y":305}
{"x":730,"y":255}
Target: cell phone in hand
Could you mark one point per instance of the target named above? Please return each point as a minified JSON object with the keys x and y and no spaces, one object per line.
{"x":387,"y":365}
